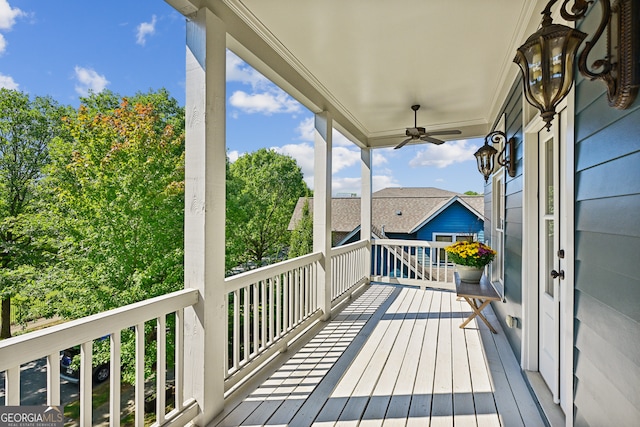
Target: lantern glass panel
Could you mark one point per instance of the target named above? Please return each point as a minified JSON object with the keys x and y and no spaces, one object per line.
{"x":533,"y":56}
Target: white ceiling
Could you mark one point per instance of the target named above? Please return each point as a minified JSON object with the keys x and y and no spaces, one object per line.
{"x":368,"y":61}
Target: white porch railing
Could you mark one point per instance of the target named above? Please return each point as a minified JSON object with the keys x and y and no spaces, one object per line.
{"x":271,"y":306}
{"x":268,"y":309}
{"x":350,"y":267}
{"x":411,"y":262}
{"x":48,"y":343}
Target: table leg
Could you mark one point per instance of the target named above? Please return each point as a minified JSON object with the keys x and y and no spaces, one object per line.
{"x":477,"y":311}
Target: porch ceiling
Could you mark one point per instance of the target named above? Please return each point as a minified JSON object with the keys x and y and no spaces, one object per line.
{"x":368,"y":61}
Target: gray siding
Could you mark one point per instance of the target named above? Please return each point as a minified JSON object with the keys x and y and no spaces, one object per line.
{"x":607,"y":269}
{"x":513,"y":223}
{"x":607,"y":297}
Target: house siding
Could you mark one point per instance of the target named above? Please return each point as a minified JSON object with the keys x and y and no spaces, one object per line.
{"x":607,"y":272}
{"x":512,"y":110}
{"x":454,"y":219}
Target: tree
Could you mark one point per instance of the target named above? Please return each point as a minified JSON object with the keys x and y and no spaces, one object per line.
{"x":262,"y":190}
{"x":116,"y":190}
{"x":27,"y":126}
{"x":302,"y":234}
{"x":471,"y":193}
{"x":117,"y":181}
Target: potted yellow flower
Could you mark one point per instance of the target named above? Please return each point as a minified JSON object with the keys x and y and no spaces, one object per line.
{"x":470,"y":259}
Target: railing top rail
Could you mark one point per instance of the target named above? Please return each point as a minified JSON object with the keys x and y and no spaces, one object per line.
{"x":37,"y":344}
{"x":241,"y":280}
{"x":350,"y":247}
{"x":401,"y":242}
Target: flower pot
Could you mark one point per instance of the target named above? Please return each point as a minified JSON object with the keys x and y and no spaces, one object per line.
{"x":469,"y":274}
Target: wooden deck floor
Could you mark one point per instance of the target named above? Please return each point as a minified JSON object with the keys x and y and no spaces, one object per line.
{"x":395,"y":357}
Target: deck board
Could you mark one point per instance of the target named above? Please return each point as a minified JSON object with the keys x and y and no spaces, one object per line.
{"x":393,"y":357}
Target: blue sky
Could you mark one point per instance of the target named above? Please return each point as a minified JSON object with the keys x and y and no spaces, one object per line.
{"x":65,"y":49}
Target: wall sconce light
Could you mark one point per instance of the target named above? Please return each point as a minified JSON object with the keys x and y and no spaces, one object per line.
{"x":487,"y":153}
{"x":547,"y":58}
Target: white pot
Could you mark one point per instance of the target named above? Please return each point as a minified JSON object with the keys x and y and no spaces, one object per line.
{"x":469,"y":274}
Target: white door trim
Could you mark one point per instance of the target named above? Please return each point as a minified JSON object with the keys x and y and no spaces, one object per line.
{"x":529,"y":349}
{"x":567,"y":287}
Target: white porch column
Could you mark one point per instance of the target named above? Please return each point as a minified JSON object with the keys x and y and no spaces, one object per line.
{"x":322,"y":207}
{"x":365,"y":201}
{"x":204,"y":240}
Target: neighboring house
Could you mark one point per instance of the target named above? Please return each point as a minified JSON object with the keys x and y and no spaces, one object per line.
{"x":413,"y":213}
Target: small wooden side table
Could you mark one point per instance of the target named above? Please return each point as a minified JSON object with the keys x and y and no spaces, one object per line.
{"x":478,"y":295}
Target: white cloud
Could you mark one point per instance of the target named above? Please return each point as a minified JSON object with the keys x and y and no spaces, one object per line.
{"x":8,"y":15}
{"x":274,"y":101}
{"x":383,"y":181}
{"x":346,"y":186}
{"x":239,"y":71}
{"x":444,"y":155}
{"x":146,"y":29}
{"x":380,"y":156}
{"x":302,"y":153}
{"x":233,"y":155}
{"x":7,"y":82}
{"x":306,"y":129}
{"x":89,"y":81}
{"x":343,"y":158}
{"x":264,"y":96}
{"x":339,"y":140}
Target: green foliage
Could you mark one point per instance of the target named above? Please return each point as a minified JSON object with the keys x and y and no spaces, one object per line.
{"x":302,"y":235}
{"x":262,"y":190}
{"x":26,"y":128}
{"x":117,"y":186}
{"x":114,"y":206}
{"x":472,"y":193}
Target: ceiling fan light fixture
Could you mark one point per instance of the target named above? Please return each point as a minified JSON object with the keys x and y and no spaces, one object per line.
{"x":420,"y":134}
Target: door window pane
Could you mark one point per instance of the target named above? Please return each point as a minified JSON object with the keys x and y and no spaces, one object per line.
{"x":549,"y":251}
{"x":549,"y":178}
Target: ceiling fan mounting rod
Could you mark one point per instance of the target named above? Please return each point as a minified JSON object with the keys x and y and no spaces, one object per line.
{"x":415,"y":109}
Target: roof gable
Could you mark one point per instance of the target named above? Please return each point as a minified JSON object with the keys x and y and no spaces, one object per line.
{"x":398,"y":210}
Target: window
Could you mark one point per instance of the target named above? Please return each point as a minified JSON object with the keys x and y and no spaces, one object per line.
{"x":452,"y":237}
{"x":497,"y":228}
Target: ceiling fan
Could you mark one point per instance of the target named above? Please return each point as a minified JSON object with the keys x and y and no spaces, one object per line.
{"x":419,"y":134}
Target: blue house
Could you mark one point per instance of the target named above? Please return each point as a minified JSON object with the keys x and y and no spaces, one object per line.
{"x":408,"y":213}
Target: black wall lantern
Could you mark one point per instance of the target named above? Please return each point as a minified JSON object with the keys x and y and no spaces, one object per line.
{"x":547,"y":58}
{"x":487,"y":153}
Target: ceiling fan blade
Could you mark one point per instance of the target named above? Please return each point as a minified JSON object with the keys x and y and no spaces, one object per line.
{"x":444,"y":132}
{"x":432,"y":140}
{"x":402,"y":143}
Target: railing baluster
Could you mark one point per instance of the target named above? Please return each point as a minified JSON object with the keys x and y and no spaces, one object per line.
{"x":251,"y":303}
{"x":278,"y":288}
{"x":272,"y":304}
{"x":285,"y":303}
{"x":86,"y":368}
{"x":114,"y":379}
{"x":139,"y":382}
{"x":264,"y":308}
{"x":53,"y":379}
{"x":179,"y":356}
{"x":12,"y":386}
{"x":161,"y":369}
{"x":236,"y":329}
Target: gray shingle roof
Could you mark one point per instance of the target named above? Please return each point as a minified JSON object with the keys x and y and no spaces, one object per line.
{"x":399,"y":210}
